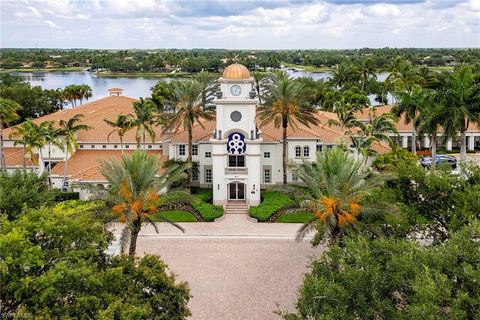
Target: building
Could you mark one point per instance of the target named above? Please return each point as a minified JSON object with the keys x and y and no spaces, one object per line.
{"x":236,"y":158}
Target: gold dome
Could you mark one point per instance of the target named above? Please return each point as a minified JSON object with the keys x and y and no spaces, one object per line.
{"x":236,"y":71}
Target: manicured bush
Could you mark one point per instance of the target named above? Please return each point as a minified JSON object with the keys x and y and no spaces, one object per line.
{"x":206,"y":195}
{"x":64,"y":196}
{"x":272,"y":201}
{"x":208,"y":211}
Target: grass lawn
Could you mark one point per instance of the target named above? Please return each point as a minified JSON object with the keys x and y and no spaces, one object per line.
{"x":300,"y":217}
{"x":176,"y":216}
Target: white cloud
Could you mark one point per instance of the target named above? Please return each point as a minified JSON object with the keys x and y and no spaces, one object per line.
{"x":241,"y":24}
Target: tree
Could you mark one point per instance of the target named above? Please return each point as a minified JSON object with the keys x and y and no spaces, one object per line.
{"x":69,"y":128}
{"x":394,"y":279}
{"x":187,"y":104}
{"x":54,"y":265}
{"x":335,"y":185}
{"x":144,"y":120}
{"x":22,"y":189}
{"x":84,"y":92}
{"x":461,"y":105}
{"x":259,"y":78}
{"x":8,"y":114}
{"x":367,"y":70}
{"x":71,"y":93}
{"x":411,"y":104}
{"x":284,"y":105}
{"x":32,"y":137}
{"x":121,"y":125}
{"x":52,"y":137}
{"x":134,"y":191}
{"x":209,"y":84}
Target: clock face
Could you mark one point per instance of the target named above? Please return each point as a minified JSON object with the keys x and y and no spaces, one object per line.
{"x":235,"y":90}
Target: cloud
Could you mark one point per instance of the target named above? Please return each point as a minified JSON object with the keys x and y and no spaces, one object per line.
{"x":264,"y":24}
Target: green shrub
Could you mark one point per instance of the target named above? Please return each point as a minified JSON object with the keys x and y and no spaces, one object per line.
{"x":64,"y":196}
{"x":206,"y":195}
{"x":208,"y":211}
{"x":271,"y":202}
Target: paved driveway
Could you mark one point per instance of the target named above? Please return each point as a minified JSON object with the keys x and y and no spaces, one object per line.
{"x":236,"y":269}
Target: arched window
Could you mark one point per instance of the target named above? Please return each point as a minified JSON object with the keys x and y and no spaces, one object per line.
{"x":298,"y":152}
{"x":306,"y":151}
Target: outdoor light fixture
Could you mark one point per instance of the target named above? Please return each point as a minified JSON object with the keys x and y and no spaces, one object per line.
{"x":218,"y":187}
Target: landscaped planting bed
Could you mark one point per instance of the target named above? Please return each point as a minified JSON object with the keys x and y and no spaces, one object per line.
{"x":175,"y":216}
{"x":272,"y":201}
{"x":300,"y":217}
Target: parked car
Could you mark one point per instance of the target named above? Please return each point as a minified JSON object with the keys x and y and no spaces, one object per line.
{"x":426,"y":162}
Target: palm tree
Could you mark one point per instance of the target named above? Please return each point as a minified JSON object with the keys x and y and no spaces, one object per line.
{"x":187,"y":103}
{"x":8,"y":114}
{"x":84,"y":92}
{"x":284,"y":105}
{"x":135,"y":184}
{"x":429,"y":121}
{"x":375,"y":130}
{"x":258,"y":78}
{"x":367,"y":70}
{"x":69,"y":129}
{"x":71,"y":94}
{"x":121,"y":125}
{"x":461,"y":105}
{"x":209,"y":84}
{"x":32,"y":137}
{"x":145,"y":111}
{"x":336,"y":183}
{"x":52,"y":135}
{"x":411,"y":104}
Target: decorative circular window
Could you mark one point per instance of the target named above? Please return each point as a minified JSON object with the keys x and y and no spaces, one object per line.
{"x":236,"y":143}
{"x":236,"y":116}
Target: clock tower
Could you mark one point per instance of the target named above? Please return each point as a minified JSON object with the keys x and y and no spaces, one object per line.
{"x":236,"y":140}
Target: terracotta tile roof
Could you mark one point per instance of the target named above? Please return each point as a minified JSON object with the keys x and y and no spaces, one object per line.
{"x":115,"y":89}
{"x":94,"y":112}
{"x":85,"y":165}
{"x":14,"y":157}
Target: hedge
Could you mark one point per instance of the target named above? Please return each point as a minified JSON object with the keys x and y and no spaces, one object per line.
{"x":206,"y":195}
{"x":271,"y":202}
{"x":208,"y":211}
{"x":300,"y":217}
{"x":175,"y":216}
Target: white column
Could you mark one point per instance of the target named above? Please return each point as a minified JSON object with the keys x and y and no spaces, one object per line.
{"x":218,"y":171}
{"x":448,"y":146}
{"x":254,"y":172}
{"x":426,"y":142}
{"x":471,"y":142}
{"x":405,"y":142}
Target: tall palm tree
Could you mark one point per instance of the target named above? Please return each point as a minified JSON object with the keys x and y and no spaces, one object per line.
{"x":336,"y":183}
{"x":187,"y":103}
{"x":84,"y":92}
{"x":70,"y":93}
{"x":411,"y":104}
{"x":69,"y":129}
{"x":461,"y":105}
{"x":145,"y":112}
{"x":52,"y":137}
{"x":8,"y":114}
{"x":120,"y":126}
{"x":367,"y":70}
{"x":285,"y":105}
{"x":135,"y":183}
{"x":209,"y":84}
{"x":258,"y":78}
{"x":375,"y":130}
{"x":32,"y":137}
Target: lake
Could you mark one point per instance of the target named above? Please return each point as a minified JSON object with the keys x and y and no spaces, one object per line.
{"x":134,"y":87}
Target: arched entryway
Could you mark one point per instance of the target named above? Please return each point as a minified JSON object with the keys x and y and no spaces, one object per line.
{"x":236,"y":191}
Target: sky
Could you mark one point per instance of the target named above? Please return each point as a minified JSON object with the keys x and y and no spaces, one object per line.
{"x":239,"y":24}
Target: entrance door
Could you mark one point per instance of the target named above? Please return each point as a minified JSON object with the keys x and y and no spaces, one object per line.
{"x":237,"y":191}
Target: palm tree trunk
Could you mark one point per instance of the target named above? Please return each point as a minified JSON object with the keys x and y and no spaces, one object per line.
{"x":414,"y":140}
{"x":65,"y":168}
{"x":284,"y":147}
{"x":463,"y":145}
{"x":132,"y":249}
{"x":2,"y":157}
{"x":49,"y":165}
{"x":189,"y":156}
{"x":121,"y":144}
{"x":434,"y":150}
{"x":143,"y":140}
{"x":24,"y":152}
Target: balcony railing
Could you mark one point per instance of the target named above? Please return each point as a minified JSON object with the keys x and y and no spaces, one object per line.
{"x":236,"y":170}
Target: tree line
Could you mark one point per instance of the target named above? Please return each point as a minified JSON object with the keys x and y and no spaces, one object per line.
{"x":213,"y":60}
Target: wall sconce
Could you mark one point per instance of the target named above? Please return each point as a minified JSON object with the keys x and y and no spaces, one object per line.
{"x":253,"y":187}
{"x":218,"y":187}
